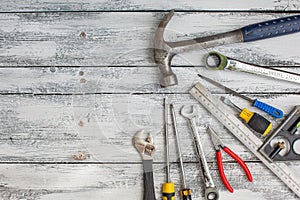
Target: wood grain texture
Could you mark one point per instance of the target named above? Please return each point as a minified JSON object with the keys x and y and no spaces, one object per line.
{"x":78,"y":79}
{"x":115,"y":80}
{"x":90,"y":181}
{"x":99,"y":39}
{"x":56,"y":128}
{"x":135,"y":5}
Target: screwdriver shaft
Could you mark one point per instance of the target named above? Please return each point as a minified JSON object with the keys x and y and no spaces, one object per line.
{"x":230,"y":103}
{"x":168,"y":189}
{"x":226,"y":88}
{"x":173,"y":114}
{"x":167,"y":140}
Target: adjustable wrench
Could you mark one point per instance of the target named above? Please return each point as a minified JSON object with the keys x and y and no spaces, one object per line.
{"x":146,"y":149}
{"x":211,"y":192}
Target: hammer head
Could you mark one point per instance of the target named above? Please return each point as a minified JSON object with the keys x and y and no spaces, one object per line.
{"x":163,"y":54}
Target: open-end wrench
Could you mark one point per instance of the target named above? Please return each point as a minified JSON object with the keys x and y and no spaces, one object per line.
{"x":146,"y":149}
{"x":211,"y":192}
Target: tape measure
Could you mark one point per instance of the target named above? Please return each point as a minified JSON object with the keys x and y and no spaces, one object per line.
{"x":217,"y":61}
{"x":241,"y":132}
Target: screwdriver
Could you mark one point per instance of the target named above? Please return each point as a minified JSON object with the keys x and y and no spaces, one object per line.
{"x":275,"y":112}
{"x":185,"y":192}
{"x":168,"y":189}
{"x":254,"y":120}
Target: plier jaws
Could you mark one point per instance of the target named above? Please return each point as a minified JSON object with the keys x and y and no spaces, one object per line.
{"x":218,"y":146}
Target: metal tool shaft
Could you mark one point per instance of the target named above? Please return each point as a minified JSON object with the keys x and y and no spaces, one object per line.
{"x":167,"y":140}
{"x":230,"y":103}
{"x":201,"y":155}
{"x":264,"y":71}
{"x":184,"y":185}
{"x":226,"y":88}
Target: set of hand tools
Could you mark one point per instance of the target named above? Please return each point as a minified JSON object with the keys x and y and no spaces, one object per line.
{"x":165,"y":51}
{"x":263,"y":150}
{"x":246,"y":125}
{"x":147,"y":148}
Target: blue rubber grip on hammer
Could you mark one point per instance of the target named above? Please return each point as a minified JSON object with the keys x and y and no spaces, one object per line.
{"x":272,"y":28}
{"x":275,"y":112}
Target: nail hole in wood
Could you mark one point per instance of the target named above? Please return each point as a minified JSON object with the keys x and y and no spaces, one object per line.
{"x":52,"y":69}
{"x":80,"y":155}
{"x":81,"y":123}
{"x":82,"y":34}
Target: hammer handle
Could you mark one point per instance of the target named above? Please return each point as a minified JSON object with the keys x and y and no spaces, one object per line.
{"x":272,"y":28}
{"x":149,"y":192}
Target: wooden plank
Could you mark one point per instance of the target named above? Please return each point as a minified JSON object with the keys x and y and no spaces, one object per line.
{"x":89,"y":181}
{"x":89,"y":80}
{"x":99,"y":39}
{"x":105,"y":5}
{"x":64,"y":128}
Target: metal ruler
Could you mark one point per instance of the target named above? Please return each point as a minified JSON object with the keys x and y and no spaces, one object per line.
{"x":223,"y":62}
{"x":241,"y":132}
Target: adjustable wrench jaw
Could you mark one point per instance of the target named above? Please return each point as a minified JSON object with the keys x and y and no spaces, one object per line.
{"x":145,"y":147}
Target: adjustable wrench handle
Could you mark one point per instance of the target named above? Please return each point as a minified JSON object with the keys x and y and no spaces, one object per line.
{"x":149,"y":192}
{"x":271,"y":28}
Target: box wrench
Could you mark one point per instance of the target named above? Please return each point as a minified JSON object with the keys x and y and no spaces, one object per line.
{"x":146,"y":149}
{"x":217,"y":61}
{"x":211,"y":192}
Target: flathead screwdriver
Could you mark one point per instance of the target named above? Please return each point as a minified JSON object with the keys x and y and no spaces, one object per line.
{"x":275,"y":112}
{"x":168,"y":189}
{"x":185,"y":192}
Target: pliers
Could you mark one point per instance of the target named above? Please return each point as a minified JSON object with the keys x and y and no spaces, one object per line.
{"x":218,"y":146}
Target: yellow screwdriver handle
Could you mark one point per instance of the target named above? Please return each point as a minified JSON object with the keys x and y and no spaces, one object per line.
{"x":246,"y":115}
{"x":256,"y":121}
{"x":186,"y":194}
{"x":168,"y":191}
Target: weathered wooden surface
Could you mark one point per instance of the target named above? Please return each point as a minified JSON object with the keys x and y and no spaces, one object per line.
{"x":57,"y":128}
{"x":100,"y":181}
{"x":123,"y":5}
{"x":91,"y":80}
{"x":76,"y":86}
{"x":119,"y":39}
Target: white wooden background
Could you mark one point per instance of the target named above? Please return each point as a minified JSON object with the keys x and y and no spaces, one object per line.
{"x":78,"y":80}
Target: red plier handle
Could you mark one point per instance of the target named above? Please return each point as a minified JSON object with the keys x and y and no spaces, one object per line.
{"x":221,"y":169}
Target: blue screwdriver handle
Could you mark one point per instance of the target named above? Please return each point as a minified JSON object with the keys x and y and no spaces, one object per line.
{"x":272,"y":28}
{"x":275,"y":112}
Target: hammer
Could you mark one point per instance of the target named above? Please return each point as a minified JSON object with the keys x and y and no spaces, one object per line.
{"x":165,"y":51}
